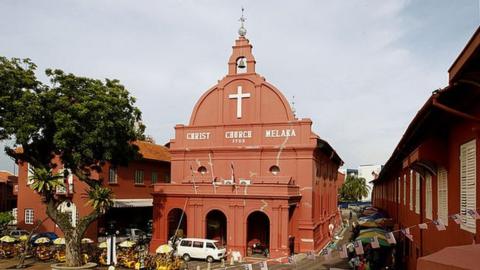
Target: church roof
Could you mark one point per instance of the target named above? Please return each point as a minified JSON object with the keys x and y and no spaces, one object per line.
{"x":153,"y":151}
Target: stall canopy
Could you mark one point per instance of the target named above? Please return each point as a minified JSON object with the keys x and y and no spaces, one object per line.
{"x":452,"y":258}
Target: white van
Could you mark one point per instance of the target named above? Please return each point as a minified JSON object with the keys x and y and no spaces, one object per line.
{"x":198,"y":248}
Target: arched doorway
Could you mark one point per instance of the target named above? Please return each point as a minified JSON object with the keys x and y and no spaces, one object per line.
{"x":177,"y":219}
{"x":258,"y":234}
{"x":216,"y":226}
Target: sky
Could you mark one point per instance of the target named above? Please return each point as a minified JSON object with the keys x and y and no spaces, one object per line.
{"x":359,"y":69}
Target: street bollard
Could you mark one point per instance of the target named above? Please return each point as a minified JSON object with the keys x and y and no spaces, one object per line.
{"x":231,"y":261}
{"x":223,"y":262}
{"x":198,"y":267}
{"x":209,"y":265}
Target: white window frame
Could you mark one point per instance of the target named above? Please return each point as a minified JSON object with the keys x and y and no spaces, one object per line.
{"x":468,"y":176}
{"x":417,"y":193}
{"x":428,"y":196}
{"x":405,"y":189}
{"x":112,"y":175}
{"x":411,"y":190}
{"x":442,"y":195}
{"x":139,"y":177}
{"x":29,"y":215}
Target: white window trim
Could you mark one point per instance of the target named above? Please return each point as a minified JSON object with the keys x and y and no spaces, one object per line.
{"x":398,"y":191}
{"x":442,"y":195}
{"x":29,"y":215}
{"x":468,"y":176}
{"x":411,"y":190}
{"x":115,"y":175}
{"x":405,"y":190}
{"x":428,"y":196}
{"x":137,"y":179}
{"x":417,"y":193}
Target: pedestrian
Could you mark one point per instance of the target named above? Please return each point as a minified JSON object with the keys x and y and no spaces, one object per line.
{"x":350,"y":216}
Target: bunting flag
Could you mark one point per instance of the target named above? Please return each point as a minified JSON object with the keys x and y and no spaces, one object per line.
{"x":390,"y":238}
{"x":264,"y":265}
{"x":474,"y":214}
{"x":358,"y":247}
{"x":374,"y":242}
{"x":438,"y":223}
{"x":457,"y":218}
{"x":310,"y":255}
{"x":423,"y":226}
{"x":247,"y":267}
{"x":343,"y":251}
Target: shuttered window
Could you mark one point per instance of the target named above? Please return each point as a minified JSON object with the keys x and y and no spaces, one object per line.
{"x":428,"y":196}
{"x":398,"y":191}
{"x":417,"y":193}
{"x":442,"y":183}
{"x":405,"y":189}
{"x":468,"y":175}
{"x":411,"y":190}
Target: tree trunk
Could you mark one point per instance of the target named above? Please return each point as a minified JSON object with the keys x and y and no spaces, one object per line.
{"x":73,"y":249}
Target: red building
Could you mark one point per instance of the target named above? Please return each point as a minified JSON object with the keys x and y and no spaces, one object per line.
{"x":8,"y":194}
{"x":433,"y":172}
{"x":246,"y":170}
{"x":132,"y":186}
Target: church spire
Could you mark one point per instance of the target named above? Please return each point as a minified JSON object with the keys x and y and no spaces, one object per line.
{"x":242,"y":31}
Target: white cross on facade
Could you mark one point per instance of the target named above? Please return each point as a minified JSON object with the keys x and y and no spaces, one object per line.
{"x":239,"y":95}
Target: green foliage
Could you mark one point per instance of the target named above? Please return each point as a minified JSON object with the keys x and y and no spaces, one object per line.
{"x":100,"y":198}
{"x":45,"y":181}
{"x":5,"y":218}
{"x":84,"y":122}
{"x":354,"y":189}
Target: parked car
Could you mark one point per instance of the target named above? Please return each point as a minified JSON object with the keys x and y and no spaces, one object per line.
{"x":198,"y":248}
{"x":50,"y":235}
{"x":18,"y":233}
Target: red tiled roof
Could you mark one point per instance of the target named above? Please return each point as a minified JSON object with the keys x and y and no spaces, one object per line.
{"x":153,"y":151}
{"x":6,"y":176}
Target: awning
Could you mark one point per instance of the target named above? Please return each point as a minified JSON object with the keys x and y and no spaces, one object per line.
{"x":452,"y":258}
{"x":123,"y":203}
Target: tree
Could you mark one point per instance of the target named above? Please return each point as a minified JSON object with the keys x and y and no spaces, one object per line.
{"x":354,"y":189}
{"x":5,"y":219}
{"x":79,"y":121}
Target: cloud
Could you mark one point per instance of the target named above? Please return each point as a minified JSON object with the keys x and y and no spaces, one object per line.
{"x":359,"y":69}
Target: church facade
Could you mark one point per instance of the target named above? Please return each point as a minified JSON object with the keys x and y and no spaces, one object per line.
{"x":246,"y":171}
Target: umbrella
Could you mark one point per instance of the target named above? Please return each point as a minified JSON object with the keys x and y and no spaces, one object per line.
{"x":42,"y":240}
{"x":164,"y":249}
{"x":382,"y":231}
{"x":102,"y":245}
{"x":368,"y":223}
{"x":366,"y":238}
{"x":7,"y":239}
{"x":87,"y":241}
{"x":127,"y":244}
{"x":23,"y":238}
{"x":59,"y":241}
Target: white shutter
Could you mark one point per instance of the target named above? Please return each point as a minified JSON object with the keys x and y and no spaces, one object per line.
{"x":405,"y":189}
{"x":442,"y":181}
{"x":29,"y":174}
{"x":428,"y":196}
{"x":468,"y":175}
{"x":417,"y":193}
{"x":411,"y":190}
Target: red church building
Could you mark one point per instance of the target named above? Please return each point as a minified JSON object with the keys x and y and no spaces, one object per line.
{"x":433,"y":173}
{"x":246,"y":170}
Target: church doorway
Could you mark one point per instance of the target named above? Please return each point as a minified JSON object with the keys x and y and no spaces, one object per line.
{"x":258,"y":234}
{"x":216,"y":226}
{"x":177,"y":219}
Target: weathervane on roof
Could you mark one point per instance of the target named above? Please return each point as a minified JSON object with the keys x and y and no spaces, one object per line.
{"x":242,"y":31}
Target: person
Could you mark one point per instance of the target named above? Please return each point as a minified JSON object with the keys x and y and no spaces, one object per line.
{"x":350,"y":215}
